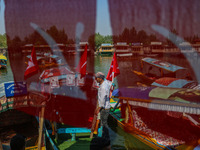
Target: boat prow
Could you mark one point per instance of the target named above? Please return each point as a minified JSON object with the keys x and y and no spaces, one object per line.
{"x":147,"y":79}
{"x":3,"y":61}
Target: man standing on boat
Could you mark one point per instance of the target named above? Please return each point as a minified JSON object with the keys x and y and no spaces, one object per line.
{"x":103,"y":103}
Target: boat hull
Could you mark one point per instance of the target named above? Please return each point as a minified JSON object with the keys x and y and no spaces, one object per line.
{"x":132,"y":140}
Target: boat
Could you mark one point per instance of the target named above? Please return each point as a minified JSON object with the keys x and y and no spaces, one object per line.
{"x":106,"y":49}
{"x":14,"y":121}
{"x":46,"y":61}
{"x":122,"y":49}
{"x":62,"y":136}
{"x":138,"y":49}
{"x":65,"y":131}
{"x":176,"y":83}
{"x":3,"y":61}
{"x":157,"y":117}
{"x":152,"y":69}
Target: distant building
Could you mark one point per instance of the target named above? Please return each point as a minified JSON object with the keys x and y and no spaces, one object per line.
{"x":137,"y":48}
{"x":156,"y":47}
{"x":106,"y":49}
{"x":122,"y":49}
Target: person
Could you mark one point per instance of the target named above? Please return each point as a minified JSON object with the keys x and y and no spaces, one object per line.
{"x":100,"y":143}
{"x":18,"y":142}
{"x":103,"y":102}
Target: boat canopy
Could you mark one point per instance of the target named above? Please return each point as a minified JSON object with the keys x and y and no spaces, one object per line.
{"x":2,"y":57}
{"x":161,"y":64}
{"x":163,"y":69}
{"x":161,"y":98}
{"x":171,"y":82}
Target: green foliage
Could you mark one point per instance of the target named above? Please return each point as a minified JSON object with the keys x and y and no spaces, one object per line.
{"x":3,"y":41}
{"x":100,"y":39}
{"x":132,"y":36}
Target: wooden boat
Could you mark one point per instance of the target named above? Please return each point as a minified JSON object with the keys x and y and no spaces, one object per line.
{"x":62,"y":136}
{"x":3,"y":61}
{"x":157,"y":118}
{"x":13,"y":120}
{"x":176,"y":83}
{"x":48,"y":61}
{"x":152,"y":69}
{"x":59,"y":133}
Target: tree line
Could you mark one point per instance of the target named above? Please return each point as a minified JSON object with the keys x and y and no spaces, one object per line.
{"x":128,"y":35}
{"x":3,"y":41}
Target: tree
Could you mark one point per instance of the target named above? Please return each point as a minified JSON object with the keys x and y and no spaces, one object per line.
{"x":151,"y":38}
{"x":125,"y":36}
{"x":15,"y":44}
{"x":172,"y":38}
{"x":142,"y":37}
{"x":91,"y":41}
{"x":99,"y":39}
{"x":62,"y":37}
{"x":133,"y":35}
{"x":3,"y":41}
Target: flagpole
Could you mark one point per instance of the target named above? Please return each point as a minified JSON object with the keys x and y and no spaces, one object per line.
{"x":111,"y":85}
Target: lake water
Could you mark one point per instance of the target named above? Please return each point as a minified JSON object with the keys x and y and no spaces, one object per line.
{"x":126,"y":78}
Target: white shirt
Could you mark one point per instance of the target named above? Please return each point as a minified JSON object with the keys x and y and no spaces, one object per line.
{"x":103,"y":94}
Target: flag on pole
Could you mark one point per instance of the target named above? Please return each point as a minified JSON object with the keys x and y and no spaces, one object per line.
{"x":80,"y":104}
{"x":114,"y":69}
{"x":81,"y":68}
{"x":32,"y":65}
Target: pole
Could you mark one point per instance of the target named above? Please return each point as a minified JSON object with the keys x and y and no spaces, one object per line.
{"x":94,"y":122}
{"x":110,"y":95}
{"x":41,"y":128}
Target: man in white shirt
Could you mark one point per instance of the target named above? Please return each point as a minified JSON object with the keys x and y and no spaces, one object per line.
{"x":103,"y":102}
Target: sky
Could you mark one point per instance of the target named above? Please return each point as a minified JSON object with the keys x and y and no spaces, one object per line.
{"x":181,"y":15}
{"x":102,"y":21}
{"x":2,"y":25}
{"x":103,"y":25}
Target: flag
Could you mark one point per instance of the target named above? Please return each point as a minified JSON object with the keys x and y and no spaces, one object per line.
{"x":81,"y":68}
{"x":114,"y":69}
{"x":29,"y":29}
{"x":32,"y":67}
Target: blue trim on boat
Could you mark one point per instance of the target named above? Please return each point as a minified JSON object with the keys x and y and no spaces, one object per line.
{"x":162,"y":64}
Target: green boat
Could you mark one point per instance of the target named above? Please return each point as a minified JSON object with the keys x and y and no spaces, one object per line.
{"x":156,"y":118}
{"x":3,"y":61}
{"x":106,"y":49}
{"x":14,"y":121}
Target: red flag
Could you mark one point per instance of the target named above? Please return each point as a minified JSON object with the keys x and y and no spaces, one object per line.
{"x":114,"y":69}
{"x":32,"y":65}
{"x":83,"y":63}
{"x":81,"y":102}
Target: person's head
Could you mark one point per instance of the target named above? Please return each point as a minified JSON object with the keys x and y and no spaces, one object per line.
{"x":18,"y":142}
{"x":99,"y":77}
{"x":100,"y":143}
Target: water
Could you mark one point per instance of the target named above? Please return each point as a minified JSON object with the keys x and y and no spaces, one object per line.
{"x":6,"y":74}
{"x":101,"y":64}
{"x":126,"y":78}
